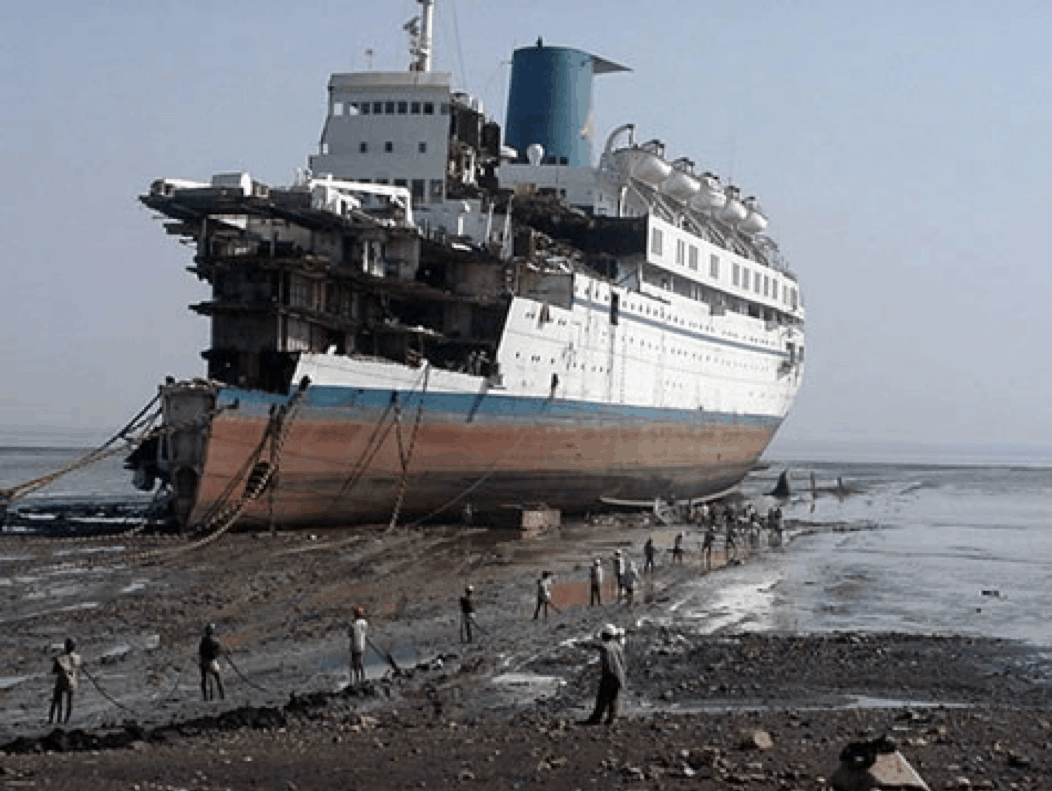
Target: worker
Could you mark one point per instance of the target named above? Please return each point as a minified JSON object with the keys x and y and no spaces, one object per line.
{"x":467,"y":614}
{"x":358,"y":632}
{"x":209,"y":651}
{"x":630,"y":579}
{"x":612,"y":676}
{"x":677,"y":548}
{"x":596,"y":583}
{"x":544,"y":594}
{"x":648,"y":555}
{"x":619,"y":573}
{"x":66,"y":667}
{"x":707,"y":543}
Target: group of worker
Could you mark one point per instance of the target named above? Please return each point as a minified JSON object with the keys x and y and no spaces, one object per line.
{"x":67,"y":666}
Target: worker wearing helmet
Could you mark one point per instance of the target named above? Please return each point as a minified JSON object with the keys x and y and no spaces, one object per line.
{"x":358,"y":634}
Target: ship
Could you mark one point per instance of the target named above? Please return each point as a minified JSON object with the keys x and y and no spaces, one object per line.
{"x":444,"y":318}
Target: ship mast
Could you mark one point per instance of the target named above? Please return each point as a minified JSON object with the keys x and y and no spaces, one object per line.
{"x":419,"y":30}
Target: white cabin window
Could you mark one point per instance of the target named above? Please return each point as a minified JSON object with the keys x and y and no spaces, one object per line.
{"x":363,"y":148}
{"x":421,"y":147}
{"x":774,"y":289}
{"x":681,"y":251}
{"x":692,"y":258}
{"x":656,"y":241}
{"x":403,"y":108}
{"x":429,"y":108}
{"x":414,"y":108}
{"x":737,"y":274}
{"x":766,"y":285}
{"x":714,"y":265}
{"x":745,"y":278}
{"x":337,"y":108}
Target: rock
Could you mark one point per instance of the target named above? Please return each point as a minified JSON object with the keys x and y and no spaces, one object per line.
{"x":875,"y":765}
{"x":755,"y":740}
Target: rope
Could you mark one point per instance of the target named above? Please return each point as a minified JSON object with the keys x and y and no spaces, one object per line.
{"x":104,"y":451}
{"x":403,"y":484}
{"x":376,"y":441}
{"x":481,"y":479}
{"x":242,"y":676}
{"x":106,"y":695}
{"x":362,"y":464}
{"x":225,"y":512}
{"x":385,"y":655}
{"x":174,"y":688}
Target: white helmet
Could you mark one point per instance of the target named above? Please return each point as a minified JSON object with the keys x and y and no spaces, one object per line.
{"x":610,"y":631}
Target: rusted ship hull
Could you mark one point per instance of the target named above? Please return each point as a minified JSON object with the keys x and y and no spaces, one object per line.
{"x":342,"y":463}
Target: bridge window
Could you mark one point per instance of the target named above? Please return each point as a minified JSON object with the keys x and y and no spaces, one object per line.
{"x":714,"y":265}
{"x":692,"y":259}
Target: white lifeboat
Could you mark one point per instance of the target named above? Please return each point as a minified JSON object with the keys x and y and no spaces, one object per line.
{"x":644,"y":163}
{"x":755,"y":221}
{"x":710,"y":196}
{"x":733,"y":210}
{"x":682,"y":185}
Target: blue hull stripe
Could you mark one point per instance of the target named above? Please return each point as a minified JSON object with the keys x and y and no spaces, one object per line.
{"x":466,"y":406}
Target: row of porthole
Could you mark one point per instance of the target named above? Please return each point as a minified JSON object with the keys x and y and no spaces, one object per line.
{"x":605,"y":297}
{"x":551,"y":361}
{"x":707,"y":328}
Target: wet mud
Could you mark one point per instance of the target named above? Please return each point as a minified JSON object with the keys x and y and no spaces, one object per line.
{"x":436,"y":712}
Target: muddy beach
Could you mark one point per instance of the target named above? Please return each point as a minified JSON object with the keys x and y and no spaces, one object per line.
{"x":502,"y":712}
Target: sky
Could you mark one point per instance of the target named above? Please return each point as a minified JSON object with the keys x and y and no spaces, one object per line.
{"x":900,"y":149}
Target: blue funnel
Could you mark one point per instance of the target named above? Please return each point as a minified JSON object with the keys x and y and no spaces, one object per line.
{"x":550,"y":103}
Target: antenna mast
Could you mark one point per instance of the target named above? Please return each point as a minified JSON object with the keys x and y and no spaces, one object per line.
{"x":419,"y":29}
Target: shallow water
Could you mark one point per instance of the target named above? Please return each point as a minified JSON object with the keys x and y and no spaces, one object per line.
{"x":927,"y":548}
